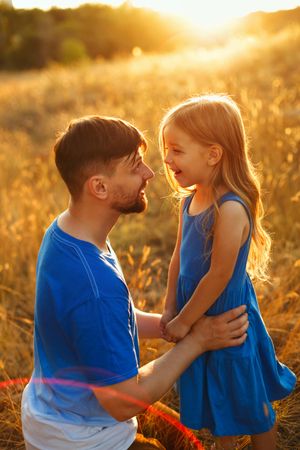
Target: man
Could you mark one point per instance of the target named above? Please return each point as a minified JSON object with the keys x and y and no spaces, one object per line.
{"x":87,"y":386}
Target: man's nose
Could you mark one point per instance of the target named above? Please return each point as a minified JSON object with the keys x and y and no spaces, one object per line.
{"x":148,"y":173}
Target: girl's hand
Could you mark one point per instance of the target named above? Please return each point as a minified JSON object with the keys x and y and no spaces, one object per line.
{"x":176,"y":330}
{"x":166,"y":317}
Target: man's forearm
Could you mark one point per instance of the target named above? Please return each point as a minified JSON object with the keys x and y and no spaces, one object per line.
{"x":128,"y":398}
{"x":153,"y":381}
{"x":158,"y":376}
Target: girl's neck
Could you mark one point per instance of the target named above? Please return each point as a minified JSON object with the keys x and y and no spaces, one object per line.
{"x":205,"y":195}
{"x":204,"y":198}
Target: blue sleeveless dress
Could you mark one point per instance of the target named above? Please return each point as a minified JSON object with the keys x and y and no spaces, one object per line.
{"x":228,"y":391}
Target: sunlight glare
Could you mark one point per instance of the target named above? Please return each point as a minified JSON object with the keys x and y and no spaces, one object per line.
{"x":214,"y":13}
{"x":203,"y":14}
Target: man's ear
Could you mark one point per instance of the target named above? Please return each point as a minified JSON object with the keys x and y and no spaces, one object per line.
{"x":215,"y":154}
{"x":97,"y":186}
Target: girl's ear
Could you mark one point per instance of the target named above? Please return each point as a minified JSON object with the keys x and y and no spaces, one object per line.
{"x":215,"y":154}
{"x":97,"y":186}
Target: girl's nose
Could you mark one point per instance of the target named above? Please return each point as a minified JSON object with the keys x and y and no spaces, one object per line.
{"x":167,"y":158}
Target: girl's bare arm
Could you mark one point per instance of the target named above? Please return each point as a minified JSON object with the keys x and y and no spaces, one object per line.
{"x":228,"y":236}
{"x":170,"y":302}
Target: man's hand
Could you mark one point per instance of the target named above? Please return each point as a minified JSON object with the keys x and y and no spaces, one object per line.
{"x":225,"y":330}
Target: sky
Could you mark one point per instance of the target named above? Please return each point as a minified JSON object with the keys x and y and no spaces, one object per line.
{"x":202,"y":12}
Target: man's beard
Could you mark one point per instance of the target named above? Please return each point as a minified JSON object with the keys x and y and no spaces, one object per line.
{"x":123,"y":205}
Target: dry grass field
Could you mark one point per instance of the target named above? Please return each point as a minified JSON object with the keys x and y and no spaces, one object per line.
{"x":262,"y":76}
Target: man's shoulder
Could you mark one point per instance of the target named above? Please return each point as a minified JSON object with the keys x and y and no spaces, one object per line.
{"x":80,"y":266}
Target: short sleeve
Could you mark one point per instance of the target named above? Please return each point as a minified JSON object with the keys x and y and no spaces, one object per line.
{"x":102,"y":337}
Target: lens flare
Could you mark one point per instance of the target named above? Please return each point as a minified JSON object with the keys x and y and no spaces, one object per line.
{"x":186,"y":433}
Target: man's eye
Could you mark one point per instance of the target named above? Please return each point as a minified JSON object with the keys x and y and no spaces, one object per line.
{"x":137,"y":165}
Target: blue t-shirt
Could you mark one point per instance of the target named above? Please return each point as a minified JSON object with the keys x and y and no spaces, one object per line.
{"x":84,"y":330}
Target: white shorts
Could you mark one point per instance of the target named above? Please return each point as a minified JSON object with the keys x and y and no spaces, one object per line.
{"x":43,"y":434}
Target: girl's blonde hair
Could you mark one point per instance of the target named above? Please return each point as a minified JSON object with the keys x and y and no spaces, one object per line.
{"x":216,"y":119}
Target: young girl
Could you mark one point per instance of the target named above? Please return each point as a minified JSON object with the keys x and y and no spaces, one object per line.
{"x":220,"y":233}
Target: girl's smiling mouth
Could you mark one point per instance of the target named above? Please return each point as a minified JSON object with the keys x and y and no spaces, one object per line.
{"x":176,"y":172}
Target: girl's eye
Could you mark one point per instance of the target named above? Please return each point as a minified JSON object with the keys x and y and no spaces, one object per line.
{"x":175,"y":150}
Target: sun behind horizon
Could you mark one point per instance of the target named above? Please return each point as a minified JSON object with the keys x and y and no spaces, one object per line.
{"x":207,"y":15}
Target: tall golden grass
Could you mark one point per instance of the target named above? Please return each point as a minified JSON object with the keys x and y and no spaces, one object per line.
{"x":262,"y":76}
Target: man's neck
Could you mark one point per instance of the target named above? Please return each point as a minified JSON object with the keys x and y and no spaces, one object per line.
{"x":88,"y":223}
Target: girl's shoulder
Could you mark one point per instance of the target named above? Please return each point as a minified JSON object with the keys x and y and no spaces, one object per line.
{"x":234,"y":199}
{"x":231,"y":196}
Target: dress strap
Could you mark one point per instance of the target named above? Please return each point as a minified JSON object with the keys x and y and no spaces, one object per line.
{"x":187,"y":202}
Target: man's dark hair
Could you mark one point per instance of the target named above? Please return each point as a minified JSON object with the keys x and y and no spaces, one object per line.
{"x":93,"y":142}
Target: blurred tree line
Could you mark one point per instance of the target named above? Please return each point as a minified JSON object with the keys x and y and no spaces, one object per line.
{"x":268,"y":23}
{"x":34,"y":38}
